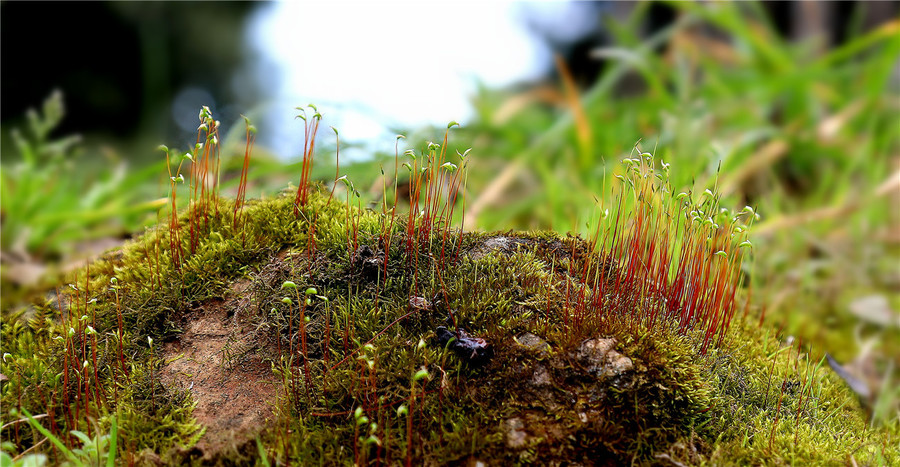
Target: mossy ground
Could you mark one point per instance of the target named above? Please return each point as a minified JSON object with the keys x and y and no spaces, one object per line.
{"x":360,"y":375}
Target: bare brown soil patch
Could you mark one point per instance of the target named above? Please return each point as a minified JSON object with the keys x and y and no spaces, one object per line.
{"x":220,"y":360}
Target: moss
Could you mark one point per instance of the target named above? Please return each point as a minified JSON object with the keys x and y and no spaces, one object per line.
{"x":363,"y":375}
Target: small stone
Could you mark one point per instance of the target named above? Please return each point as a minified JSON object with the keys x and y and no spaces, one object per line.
{"x":494,"y":244}
{"x":497,"y":243}
{"x":533,"y":342}
{"x":601,"y":359}
{"x":419,"y":303}
{"x":541,"y":376}
{"x":618,"y":363}
{"x":516,"y":437}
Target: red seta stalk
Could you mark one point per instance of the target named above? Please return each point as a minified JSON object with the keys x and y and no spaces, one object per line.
{"x":309,"y":146}
{"x":242,"y":186}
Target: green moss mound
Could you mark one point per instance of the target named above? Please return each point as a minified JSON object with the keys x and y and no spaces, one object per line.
{"x":351,"y":341}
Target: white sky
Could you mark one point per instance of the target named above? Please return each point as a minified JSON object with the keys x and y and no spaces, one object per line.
{"x":367,"y":65}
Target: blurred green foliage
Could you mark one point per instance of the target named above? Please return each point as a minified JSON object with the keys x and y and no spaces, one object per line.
{"x":52,"y":198}
{"x":54,"y":202}
{"x":786,"y":128}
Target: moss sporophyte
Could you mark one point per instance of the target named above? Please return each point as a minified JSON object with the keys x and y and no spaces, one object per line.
{"x":303,"y":329}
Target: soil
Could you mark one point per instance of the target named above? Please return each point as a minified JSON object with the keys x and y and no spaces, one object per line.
{"x":219,"y":359}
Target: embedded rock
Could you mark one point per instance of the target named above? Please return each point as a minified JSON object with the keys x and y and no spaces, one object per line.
{"x":516,"y":437}
{"x":533,"y":342}
{"x":600,"y":358}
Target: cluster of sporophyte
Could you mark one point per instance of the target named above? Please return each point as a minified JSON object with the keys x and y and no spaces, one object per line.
{"x":402,"y":339}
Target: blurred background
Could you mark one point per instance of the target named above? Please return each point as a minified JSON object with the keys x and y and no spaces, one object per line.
{"x":790,"y":107}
